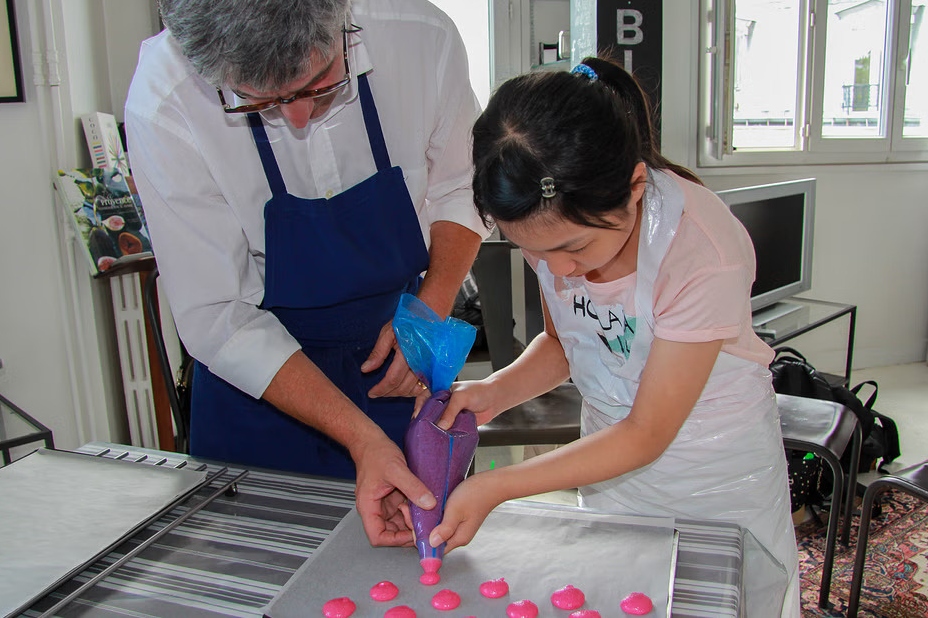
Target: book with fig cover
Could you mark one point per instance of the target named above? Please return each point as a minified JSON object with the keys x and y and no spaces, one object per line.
{"x":105,"y":215}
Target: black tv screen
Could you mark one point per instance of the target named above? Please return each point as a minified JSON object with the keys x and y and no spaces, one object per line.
{"x":776,"y":229}
{"x":779,"y":218}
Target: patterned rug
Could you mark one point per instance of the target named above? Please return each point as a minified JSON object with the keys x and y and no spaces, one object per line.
{"x":896,"y":572}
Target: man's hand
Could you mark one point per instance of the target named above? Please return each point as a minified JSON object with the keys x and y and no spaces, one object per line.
{"x":383,"y":484}
{"x":467,"y":507}
{"x":399,"y":380}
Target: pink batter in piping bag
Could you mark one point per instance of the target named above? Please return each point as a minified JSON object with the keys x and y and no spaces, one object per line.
{"x":440,"y":459}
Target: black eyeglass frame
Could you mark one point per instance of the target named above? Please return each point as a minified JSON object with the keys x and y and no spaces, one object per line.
{"x":309,"y":93}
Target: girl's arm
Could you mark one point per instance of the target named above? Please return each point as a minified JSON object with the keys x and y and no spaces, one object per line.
{"x":541,"y":367}
{"x":673,"y":378}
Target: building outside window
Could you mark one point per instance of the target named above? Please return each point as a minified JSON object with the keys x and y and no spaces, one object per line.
{"x":813,"y":81}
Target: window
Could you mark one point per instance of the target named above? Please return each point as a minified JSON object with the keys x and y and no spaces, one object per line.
{"x":813,"y":81}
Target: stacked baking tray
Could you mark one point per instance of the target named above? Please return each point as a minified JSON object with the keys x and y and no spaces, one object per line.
{"x":60,"y":511}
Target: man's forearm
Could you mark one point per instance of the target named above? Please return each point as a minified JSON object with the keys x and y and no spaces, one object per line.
{"x":452,"y":251}
{"x":301,"y":390}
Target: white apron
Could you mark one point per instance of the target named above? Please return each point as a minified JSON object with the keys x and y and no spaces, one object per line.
{"x":726,"y":462}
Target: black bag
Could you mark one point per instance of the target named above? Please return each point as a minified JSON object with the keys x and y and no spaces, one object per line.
{"x":793,"y":375}
{"x":881,"y":439}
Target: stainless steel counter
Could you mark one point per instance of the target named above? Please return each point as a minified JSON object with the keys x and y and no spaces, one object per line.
{"x":235,"y":554}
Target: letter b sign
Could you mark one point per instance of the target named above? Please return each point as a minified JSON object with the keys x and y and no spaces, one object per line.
{"x":628,"y":27}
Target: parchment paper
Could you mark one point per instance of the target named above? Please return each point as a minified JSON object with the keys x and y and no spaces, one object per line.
{"x":537,"y":549}
{"x":59,"y":511}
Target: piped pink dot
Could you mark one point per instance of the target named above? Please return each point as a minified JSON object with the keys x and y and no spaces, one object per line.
{"x":384,"y":591}
{"x":567,"y":597}
{"x":342,"y":607}
{"x":637,"y":604}
{"x":400,"y":611}
{"x":430,"y":575}
{"x":585,"y":613}
{"x":429,"y":579}
{"x":522,"y":609}
{"x":495,"y":588}
{"x":445,"y":600}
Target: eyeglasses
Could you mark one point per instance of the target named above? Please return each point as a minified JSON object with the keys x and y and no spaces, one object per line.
{"x":309,"y":93}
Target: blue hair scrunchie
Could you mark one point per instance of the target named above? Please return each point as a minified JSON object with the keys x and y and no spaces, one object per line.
{"x":582,"y":69}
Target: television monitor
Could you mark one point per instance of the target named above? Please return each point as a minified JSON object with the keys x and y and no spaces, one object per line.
{"x":779,"y":218}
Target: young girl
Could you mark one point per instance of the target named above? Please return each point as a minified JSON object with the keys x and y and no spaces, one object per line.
{"x":646,"y":280}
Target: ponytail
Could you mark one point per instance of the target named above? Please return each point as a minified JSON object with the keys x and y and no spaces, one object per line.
{"x":635,"y":101}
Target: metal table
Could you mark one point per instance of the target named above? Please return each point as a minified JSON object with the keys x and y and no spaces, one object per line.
{"x":812,"y":314}
{"x":19,"y":429}
{"x":232,"y":556}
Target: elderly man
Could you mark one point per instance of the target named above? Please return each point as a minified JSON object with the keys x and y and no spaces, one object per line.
{"x":302,"y":163}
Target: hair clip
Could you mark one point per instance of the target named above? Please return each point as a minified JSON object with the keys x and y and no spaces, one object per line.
{"x":586,"y":71}
{"x":547,"y":187}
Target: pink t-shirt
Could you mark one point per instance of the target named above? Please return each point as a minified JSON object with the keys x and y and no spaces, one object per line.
{"x":703,"y":286}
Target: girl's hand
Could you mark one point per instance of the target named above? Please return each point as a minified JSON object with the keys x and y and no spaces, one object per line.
{"x":467,"y":507}
{"x":478,"y":396}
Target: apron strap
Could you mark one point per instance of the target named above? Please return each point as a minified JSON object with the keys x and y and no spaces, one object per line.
{"x":372,"y":123}
{"x":268,"y":161}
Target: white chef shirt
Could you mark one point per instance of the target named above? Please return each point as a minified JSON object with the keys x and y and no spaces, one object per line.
{"x":203,"y":188}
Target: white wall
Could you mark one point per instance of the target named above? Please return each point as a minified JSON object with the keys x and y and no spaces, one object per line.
{"x":33,"y":341}
{"x":57,"y":341}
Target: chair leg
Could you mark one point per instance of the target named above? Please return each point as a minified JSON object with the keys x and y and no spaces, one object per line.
{"x":851,"y":490}
{"x":863,"y":535}
{"x":831,"y":538}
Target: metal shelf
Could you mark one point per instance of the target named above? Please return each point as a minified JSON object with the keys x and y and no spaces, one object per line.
{"x":813,"y":314}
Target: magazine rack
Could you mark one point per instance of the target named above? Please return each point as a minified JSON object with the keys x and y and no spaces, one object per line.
{"x":147,"y":402}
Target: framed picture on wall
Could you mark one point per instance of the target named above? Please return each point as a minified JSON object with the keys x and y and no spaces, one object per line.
{"x":11,"y":74}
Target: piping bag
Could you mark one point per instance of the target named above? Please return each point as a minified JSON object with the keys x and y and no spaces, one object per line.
{"x":435,"y":351}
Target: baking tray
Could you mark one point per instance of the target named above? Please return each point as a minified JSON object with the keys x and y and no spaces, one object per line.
{"x":538,"y":548}
{"x":61,"y":511}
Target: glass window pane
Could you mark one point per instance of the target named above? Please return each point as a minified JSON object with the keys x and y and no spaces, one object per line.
{"x":854,"y":69}
{"x":916,"y":91}
{"x":766,"y":65}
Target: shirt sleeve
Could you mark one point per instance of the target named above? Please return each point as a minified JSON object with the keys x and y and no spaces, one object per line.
{"x":703,"y":287}
{"x":197,"y":237}
{"x":450,"y":195}
{"x":708,"y":307}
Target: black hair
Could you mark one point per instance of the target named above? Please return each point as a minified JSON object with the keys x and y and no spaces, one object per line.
{"x":586,"y":134}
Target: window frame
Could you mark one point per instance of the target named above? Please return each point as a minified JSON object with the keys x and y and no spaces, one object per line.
{"x":716,"y":83}
{"x":900,"y":86}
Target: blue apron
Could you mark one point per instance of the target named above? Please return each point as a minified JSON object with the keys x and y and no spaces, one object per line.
{"x":334,"y":272}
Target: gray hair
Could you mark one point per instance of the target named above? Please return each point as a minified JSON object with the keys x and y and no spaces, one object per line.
{"x":264,"y":44}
